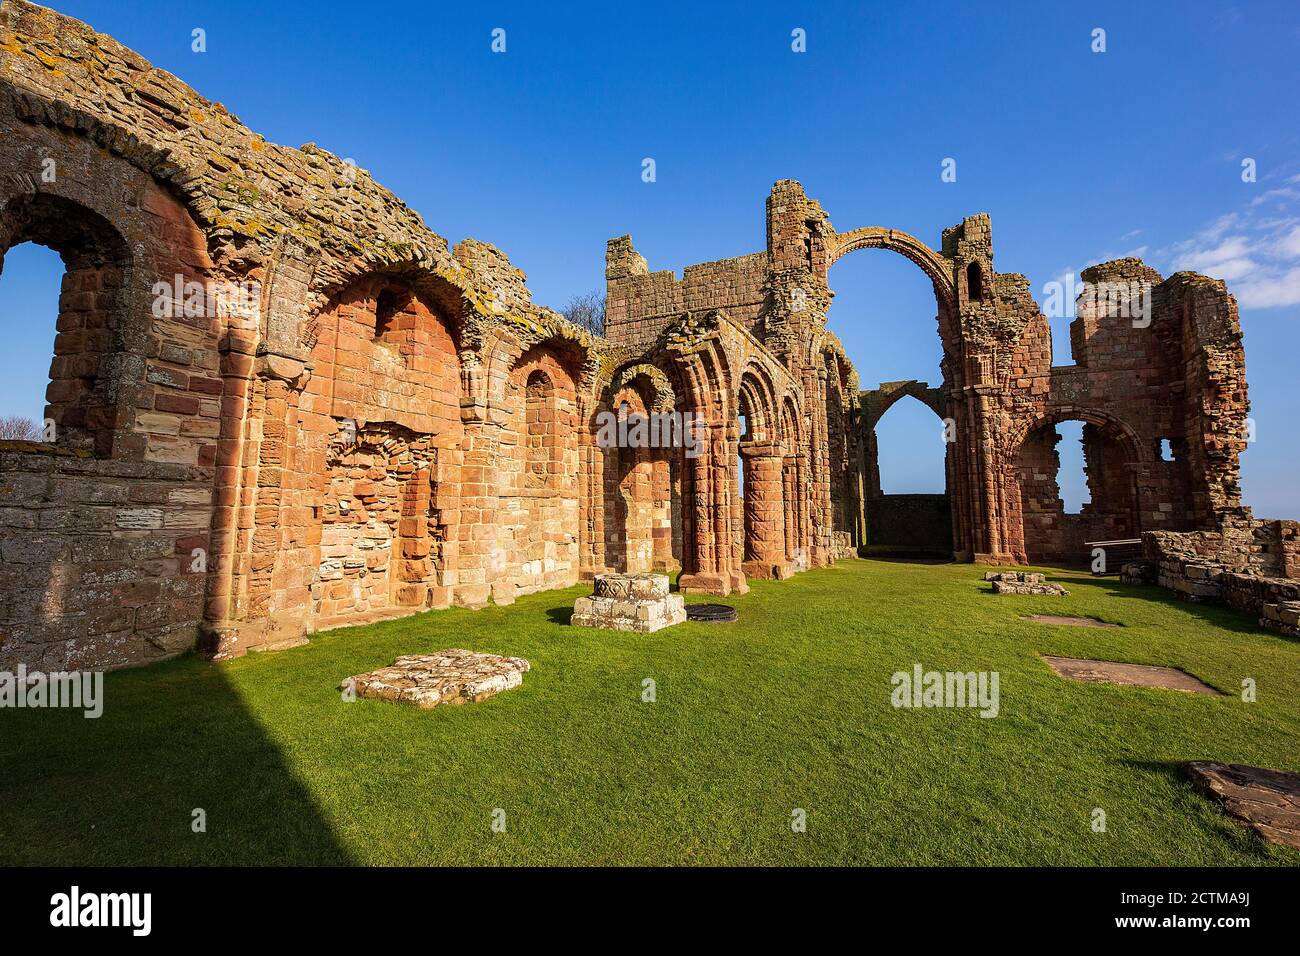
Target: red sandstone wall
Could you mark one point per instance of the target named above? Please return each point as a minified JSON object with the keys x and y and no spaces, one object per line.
{"x":104,"y":531}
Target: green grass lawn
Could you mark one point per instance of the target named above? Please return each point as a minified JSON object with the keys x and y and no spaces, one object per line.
{"x":787,"y":708}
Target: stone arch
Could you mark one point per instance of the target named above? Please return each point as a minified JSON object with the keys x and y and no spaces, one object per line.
{"x":761,"y":528}
{"x":1093,"y":416}
{"x":756,"y":401}
{"x":1040,"y":529}
{"x":96,"y":354}
{"x":934,"y":265}
{"x":537,"y":471}
{"x":407,"y":372}
{"x":791,"y":424}
{"x":710,"y":554}
{"x":136,"y":395}
{"x":794,"y":483}
{"x":375,"y":434}
{"x":642,"y":502}
{"x":662,"y":396}
{"x":877,"y":402}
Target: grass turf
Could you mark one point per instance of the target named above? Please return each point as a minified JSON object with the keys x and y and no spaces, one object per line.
{"x":788,"y":708}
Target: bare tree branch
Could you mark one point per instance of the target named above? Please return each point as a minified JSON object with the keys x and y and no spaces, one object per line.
{"x":587,"y":311}
{"x":18,"y":428}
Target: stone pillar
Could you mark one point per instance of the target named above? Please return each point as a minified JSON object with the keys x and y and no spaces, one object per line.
{"x":218,"y":627}
{"x":715,"y":569}
{"x":764,"y":520}
{"x":790,"y":497}
{"x":482,"y":560}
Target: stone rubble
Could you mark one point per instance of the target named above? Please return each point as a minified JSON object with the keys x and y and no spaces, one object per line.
{"x":1022,"y":582}
{"x":453,"y":676}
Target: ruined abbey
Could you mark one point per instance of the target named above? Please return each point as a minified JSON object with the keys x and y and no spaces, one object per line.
{"x":391,"y":424}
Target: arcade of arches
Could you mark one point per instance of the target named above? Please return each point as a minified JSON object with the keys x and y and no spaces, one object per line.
{"x":397,"y":426}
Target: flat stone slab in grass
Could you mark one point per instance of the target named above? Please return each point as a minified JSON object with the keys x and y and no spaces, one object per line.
{"x":1022,"y":582}
{"x":1268,"y":801}
{"x":1129,"y":675}
{"x":1069,"y":621}
{"x":453,"y":676}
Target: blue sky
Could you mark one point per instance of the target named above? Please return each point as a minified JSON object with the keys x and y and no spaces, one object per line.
{"x":1078,"y":156}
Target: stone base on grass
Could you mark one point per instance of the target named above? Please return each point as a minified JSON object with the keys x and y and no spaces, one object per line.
{"x":453,"y":676}
{"x":630,"y":602}
{"x":1022,"y":582}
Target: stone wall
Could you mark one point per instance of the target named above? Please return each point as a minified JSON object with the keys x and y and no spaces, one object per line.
{"x":101,"y":562}
{"x":382,"y":423}
{"x":909,"y":523}
{"x":1249,"y":564}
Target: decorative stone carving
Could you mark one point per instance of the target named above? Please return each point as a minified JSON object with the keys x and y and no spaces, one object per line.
{"x":630,"y":602}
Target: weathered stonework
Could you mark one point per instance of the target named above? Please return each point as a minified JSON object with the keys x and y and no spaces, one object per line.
{"x":394,"y":425}
{"x":453,"y":676}
{"x":1022,"y":582}
{"x":1268,"y":801}
{"x":630,"y":602}
{"x":1247,"y":564}
{"x":1128,"y":675}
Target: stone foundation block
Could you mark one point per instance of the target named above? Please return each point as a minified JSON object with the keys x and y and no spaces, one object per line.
{"x":630,"y":602}
{"x":1022,"y":582}
{"x":453,"y":676}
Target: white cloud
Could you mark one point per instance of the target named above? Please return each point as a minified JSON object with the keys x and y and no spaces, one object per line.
{"x":1270,"y":291}
{"x":1257,"y":250}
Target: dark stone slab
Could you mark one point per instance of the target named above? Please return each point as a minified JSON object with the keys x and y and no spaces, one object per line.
{"x":1267,"y":801}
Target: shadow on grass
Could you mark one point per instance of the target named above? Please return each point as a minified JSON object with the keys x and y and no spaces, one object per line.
{"x":1171,"y":770}
{"x":1220,"y":615}
{"x":560,"y":615}
{"x":175,"y":744}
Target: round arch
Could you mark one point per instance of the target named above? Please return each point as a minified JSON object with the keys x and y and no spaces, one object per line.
{"x":757,"y":401}
{"x":1040,"y":529}
{"x":934,"y":265}
{"x":1068,"y":413}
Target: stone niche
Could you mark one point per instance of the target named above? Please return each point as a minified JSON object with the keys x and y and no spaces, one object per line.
{"x":630,"y":602}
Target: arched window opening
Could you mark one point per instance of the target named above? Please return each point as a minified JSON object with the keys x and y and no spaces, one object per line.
{"x":31,"y":277}
{"x":389,"y":305}
{"x":1078,"y":483}
{"x":974,"y":282}
{"x":910,"y":450}
{"x":83,"y":389}
{"x":540,"y":428}
{"x":906,"y":507}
